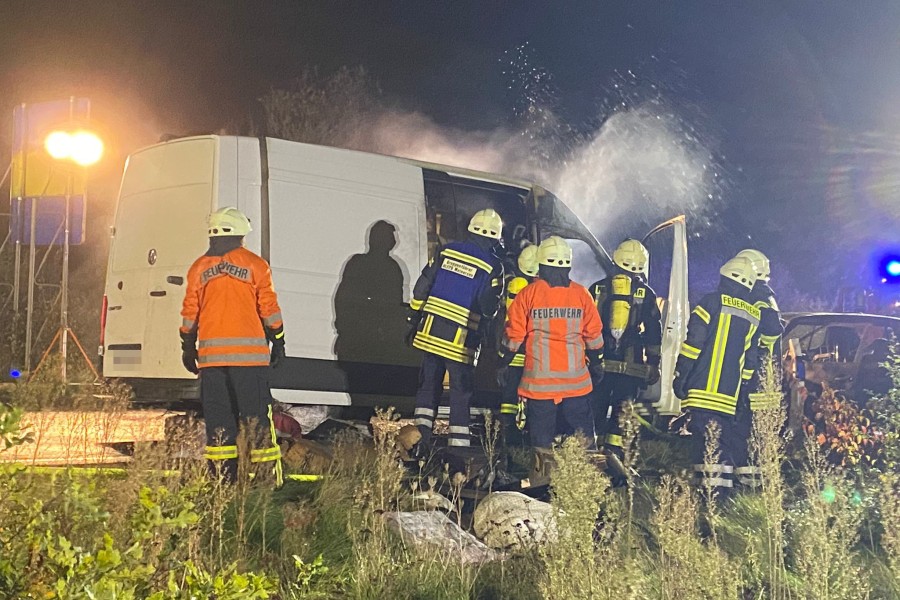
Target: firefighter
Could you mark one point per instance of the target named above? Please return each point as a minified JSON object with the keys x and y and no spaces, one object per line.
{"x":769,"y":348}
{"x":555,"y":322}
{"x":511,"y":413}
{"x":230,"y":316}
{"x":711,"y":365}
{"x":632,"y":338}
{"x":454,"y":300}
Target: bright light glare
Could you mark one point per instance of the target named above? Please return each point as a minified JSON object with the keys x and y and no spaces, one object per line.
{"x":87,"y":149}
{"x":82,"y":147}
{"x":58,"y":145}
{"x":893,"y":268}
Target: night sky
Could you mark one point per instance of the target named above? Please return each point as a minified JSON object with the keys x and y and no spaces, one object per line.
{"x":800,"y":99}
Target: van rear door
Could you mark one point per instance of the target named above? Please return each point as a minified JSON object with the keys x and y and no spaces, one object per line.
{"x":166,"y":196}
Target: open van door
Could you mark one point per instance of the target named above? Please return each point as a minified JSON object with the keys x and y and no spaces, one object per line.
{"x":675,"y":313}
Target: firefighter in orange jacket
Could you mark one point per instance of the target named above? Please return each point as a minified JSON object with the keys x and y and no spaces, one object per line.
{"x":557,"y":324}
{"x":230,"y":308}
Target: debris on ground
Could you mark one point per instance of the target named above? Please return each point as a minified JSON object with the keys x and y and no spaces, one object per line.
{"x":432,"y":530}
{"x":432,"y":500}
{"x":407,"y":438}
{"x":306,"y":456}
{"x":309,"y":416}
{"x":513,"y":521}
{"x":286,"y":426}
{"x":331,"y":428}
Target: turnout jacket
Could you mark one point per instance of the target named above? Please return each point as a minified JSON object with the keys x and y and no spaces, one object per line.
{"x":716,"y":355}
{"x":770,"y":331}
{"x":513,"y":287}
{"x":454,"y":299}
{"x":556,"y":325}
{"x":229,"y":304}
{"x":632,"y":324}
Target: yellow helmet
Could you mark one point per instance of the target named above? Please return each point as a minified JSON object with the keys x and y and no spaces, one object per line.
{"x":528,"y":260}
{"x":740,"y":269}
{"x":760,"y":260}
{"x":487,"y":223}
{"x":555,"y":252}
{"x":632,"y":256}
{"x":228,"y":221}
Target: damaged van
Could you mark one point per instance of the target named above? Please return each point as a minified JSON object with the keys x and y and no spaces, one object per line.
{"x":346,"y":234}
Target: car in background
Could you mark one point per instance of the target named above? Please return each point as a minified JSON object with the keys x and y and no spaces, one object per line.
{"x":842,"y":351}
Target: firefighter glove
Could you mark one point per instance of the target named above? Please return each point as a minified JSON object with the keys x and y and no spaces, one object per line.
{"x":597,"y":372}
{"x":276,"y":336}
{"x":652,"y":374}
{"x":412,"y":326}
{"x":189,"y":352}
{"x":678,"y":387}
{"x":277,"y":356}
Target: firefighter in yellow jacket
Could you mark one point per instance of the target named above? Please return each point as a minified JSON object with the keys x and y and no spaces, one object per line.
{"x":632,"y":338}
{"x":229,"y":316}
{"x":511,"y":417}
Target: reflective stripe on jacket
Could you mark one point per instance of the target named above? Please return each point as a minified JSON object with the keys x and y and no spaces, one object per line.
{"x":556,"y":324}
{"x":228,"y":302}
{"x":716,"y":354}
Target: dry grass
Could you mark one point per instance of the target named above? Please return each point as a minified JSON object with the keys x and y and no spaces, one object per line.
{"x":647,"y":540}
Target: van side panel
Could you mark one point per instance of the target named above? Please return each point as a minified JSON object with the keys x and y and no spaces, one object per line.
{"x":347,"y":241}
{"x":166,"y":195}
{"x":238,"y":181}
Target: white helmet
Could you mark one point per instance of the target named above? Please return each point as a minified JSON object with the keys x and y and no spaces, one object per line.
{"x":228,"y":221}
{"x":487,"y":223}
{"x":555,"y":252}
{"x":741,"y":270}
{"x":528,"y":260}
{"x":760,"y":260}
{"x":632,"y":256}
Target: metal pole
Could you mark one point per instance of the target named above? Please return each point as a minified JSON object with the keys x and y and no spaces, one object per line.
{"x":18,"y":266}
{"x":29,"y":315}
{"x":64,"y":298}
{"x":64,"y":303}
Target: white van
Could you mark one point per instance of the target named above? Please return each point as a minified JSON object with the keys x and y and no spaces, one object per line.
{"x":346,"y":234}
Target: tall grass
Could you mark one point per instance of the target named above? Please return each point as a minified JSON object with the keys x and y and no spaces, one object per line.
{"x":767,"y":448}
{"x":165,"y":529}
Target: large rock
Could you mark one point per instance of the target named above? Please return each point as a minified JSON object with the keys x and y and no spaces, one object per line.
{"x":433,"y":531}
{"x":513,"y":521}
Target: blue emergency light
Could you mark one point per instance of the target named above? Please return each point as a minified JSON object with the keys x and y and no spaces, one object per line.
{"x":890,"y":269}
{"x":15,"y":373}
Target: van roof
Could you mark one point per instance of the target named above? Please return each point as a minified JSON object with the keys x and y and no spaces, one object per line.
{"x":450,"y":170}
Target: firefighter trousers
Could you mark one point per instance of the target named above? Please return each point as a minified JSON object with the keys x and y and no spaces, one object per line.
{"x":717,"y":474}
{"x":236,"y":400}
{"x":431,"y":388}
{"x":509,"y":407}
{"x":608,"y":397}
{"x":543,"y":414}
{"x":745,"y":473}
